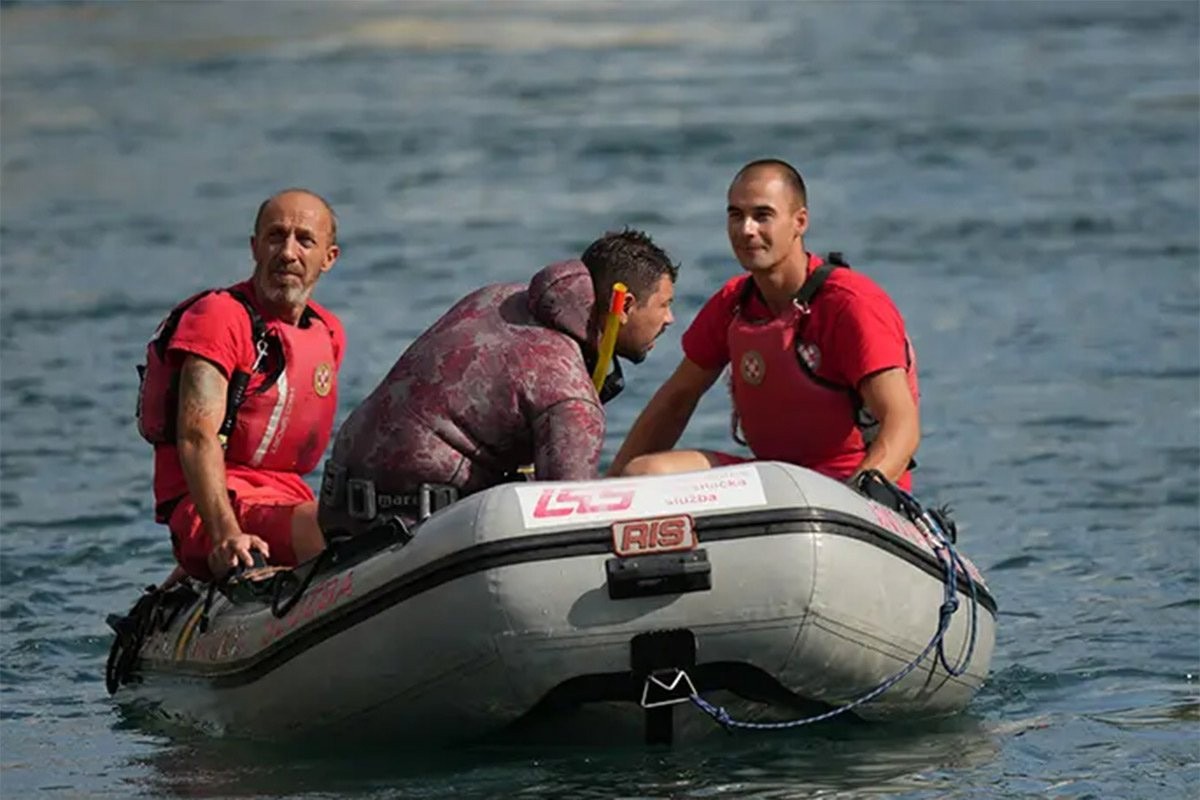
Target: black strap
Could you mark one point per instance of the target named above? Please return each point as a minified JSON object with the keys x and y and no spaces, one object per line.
{"x":163,"y":339}
{"x":808,"y":290}
{"x":817,"y":278}
{"x":156,"y":609}
{"x":235,"y":395}
{"x":614,"y":383}
{"x":364,"y":503}
{"x":258,"y":328}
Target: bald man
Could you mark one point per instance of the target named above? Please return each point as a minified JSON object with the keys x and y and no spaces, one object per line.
{"x":823,"y":373}
{"x":238,"y":397}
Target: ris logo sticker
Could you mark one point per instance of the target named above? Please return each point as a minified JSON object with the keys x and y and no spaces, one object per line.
{"x":660,"y":535}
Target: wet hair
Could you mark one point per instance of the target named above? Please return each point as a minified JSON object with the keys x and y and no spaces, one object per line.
{"x":790,"y":175}
{"x":629,"y":257}
{"x":262,"y":209}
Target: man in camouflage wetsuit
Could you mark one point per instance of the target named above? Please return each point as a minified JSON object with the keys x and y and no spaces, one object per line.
{"x":502,"y":380}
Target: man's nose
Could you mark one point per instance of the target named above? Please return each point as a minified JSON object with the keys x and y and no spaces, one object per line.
{"x":291,"y":248}
{"x":749,"y":227}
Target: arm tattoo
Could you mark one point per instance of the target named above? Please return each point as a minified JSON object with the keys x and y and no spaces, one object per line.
{"x":202,"y":390}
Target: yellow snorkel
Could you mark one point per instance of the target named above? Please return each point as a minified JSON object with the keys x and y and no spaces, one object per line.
{"x":608,"y":341}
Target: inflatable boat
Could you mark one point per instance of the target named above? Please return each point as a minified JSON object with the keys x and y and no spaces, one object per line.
{"x":760,"y":595}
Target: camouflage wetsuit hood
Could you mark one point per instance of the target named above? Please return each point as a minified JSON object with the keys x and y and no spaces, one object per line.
{"x":499,"y":381}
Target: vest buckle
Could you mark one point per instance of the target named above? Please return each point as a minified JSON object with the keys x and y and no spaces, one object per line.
{"x":360,"y":499}
{"x":333,"y":484}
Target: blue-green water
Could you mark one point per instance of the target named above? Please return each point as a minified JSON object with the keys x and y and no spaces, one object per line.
{"x":1022,"y":177}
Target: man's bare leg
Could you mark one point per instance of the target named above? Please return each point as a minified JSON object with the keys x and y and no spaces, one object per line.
{"x":670,"y":462}
{"x":307,"y":539}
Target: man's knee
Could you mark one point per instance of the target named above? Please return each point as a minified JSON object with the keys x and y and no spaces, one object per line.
{"x":307,"y":539}
{"x":666,"y":463}
{"x":642,"y":465}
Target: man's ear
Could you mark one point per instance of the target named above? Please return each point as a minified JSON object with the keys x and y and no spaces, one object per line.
{"x":801,"y":218}
{"x":331,"y":256}
{"x":630,"y":302}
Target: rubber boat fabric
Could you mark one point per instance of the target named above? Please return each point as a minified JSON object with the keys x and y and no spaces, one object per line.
{"x":760,"y":595}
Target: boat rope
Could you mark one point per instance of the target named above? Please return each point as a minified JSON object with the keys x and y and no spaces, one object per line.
{"x":941,"y":541}
{"x":228,"y":579}
{"x":280,"y":610}
{"x":952,"y":566}
{"x":208,"y":601}
{"x":156,"y":608}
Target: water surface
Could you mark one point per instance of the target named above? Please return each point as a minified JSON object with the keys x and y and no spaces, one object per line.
{"x":1023,"y":178}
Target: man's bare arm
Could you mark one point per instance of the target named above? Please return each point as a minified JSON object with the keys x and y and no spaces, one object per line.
{"x":664,"y":418}
{"x":887,"y":396}
{"x":202,"y":390}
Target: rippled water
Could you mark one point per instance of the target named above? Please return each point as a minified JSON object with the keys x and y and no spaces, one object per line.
{"x":1022,"y":177}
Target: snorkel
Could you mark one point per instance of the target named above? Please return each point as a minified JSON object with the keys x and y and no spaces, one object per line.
{"x":608,"y":340}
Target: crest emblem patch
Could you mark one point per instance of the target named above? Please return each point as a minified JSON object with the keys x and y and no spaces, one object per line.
{"x":323,"y":379}
{"x":810,"y":354}
{"x":753,"y":368}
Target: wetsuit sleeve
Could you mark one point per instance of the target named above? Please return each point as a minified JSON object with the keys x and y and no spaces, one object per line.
{"x":567,"y":439}
{"x":217,"y":329}
{"x":706,"y":341}
{"x":870,"y":338}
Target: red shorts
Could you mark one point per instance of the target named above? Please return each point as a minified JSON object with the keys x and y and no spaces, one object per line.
{"x":269,"y":520}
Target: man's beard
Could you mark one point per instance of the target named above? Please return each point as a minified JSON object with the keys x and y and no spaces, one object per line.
{"x":288,"y":295}
{"x":638,"y":356}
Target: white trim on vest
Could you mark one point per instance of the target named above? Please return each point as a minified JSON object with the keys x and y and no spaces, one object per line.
{"x":273,"y":423}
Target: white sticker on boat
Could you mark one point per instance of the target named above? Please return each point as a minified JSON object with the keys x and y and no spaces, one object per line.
{"x":543,"y":505}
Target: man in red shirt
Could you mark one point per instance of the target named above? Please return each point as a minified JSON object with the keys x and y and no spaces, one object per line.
{"x":822,"y":372}
{"x":228,"y":468}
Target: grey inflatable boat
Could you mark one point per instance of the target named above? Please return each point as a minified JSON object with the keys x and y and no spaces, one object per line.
{"x":755,"y":596}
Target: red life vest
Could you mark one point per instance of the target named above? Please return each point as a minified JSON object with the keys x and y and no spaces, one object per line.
{"x":158,"y":381}
{"x":281,"y":403}
{"x":285,"y":425}
{"x":785,"y":411}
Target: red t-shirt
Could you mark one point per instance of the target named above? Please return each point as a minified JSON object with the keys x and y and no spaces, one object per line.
{"x":217,"y":328}
{"x":858,"y":329}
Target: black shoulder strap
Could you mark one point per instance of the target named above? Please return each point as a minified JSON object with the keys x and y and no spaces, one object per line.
{"x":258,"y":328}
{"x":817,"y":279}
{"x":614,"y":383}
{"x":166,"y":330}
{"x":263,"y":342}
{"x":235,"y":394}
{"x":748,"y":289}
